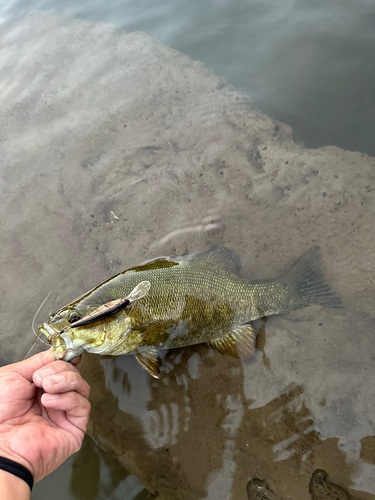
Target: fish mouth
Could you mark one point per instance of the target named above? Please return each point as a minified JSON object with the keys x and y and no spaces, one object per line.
{"x":67,"y":349}
{"x":69,"y":342}
{"x":62,"y":343}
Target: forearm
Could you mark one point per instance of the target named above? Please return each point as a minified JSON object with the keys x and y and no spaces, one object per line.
{"x":12,"y":487}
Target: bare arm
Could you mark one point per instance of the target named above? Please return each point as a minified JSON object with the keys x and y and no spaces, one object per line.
{"x":12,"y":487}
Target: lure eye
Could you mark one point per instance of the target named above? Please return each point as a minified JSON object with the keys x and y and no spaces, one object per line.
{"x":74,"y":317}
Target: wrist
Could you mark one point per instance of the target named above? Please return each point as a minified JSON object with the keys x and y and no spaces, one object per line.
{"x":7,"y":453}
{"x":13,"y":487}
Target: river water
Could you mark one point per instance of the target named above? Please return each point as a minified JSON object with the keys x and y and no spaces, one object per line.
{"x":116,"y":150}
{"x":306,"y":63}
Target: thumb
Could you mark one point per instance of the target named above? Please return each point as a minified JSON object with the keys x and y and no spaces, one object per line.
{"x":27,"y":367}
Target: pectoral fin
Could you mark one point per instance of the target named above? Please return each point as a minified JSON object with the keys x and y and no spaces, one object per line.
{"x":238,"y":343}
{"x":150,"y":361}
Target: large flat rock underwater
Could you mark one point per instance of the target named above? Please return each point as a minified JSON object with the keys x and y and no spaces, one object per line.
{"x":116,"y":149}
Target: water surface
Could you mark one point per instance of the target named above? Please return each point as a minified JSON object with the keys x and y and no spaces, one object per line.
{"x":306,"y":63}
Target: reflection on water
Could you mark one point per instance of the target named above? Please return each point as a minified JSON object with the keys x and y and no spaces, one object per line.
{"x":117,"y":150}
{"x":207,"y":425}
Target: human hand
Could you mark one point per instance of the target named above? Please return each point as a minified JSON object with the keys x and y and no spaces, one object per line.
{"x":44,"y":411}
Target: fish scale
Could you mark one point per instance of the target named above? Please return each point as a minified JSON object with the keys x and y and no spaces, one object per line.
{"x":191,"y":299}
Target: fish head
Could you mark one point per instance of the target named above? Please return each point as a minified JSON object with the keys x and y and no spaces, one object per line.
{"x":69,"y":314}
{"x":55,"y":330}
{"x":111,"y":336}
{"x":67,"y":343}
{"x":100,"y":329}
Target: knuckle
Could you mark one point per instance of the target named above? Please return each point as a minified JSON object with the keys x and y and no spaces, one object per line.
{"x":64,"y":366}
{"x":58,"y":365}
{"x":71,"y":400}
{"x":85,"y":404}
{"x":80,"y":385}
{"x":85,"y":410}
{"x":87,"y":389}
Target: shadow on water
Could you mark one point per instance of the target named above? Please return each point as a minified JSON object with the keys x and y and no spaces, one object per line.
{"x":89,"y":483}
{"x":90,"y":474}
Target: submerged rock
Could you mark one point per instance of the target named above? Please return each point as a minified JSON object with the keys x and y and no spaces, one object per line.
{"x":116,"y":149}
{"x":259,"y":489}
{"x":321,"y":488}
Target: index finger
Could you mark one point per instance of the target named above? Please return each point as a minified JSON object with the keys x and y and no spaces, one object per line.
{"x":76,"y":361}
{"x":55,"y":368}
{"x":27,"y":367}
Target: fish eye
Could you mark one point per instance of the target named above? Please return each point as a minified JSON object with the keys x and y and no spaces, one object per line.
{"x":74,"y":316}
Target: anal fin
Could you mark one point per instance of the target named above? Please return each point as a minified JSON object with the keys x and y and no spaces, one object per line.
{"x":238,"y":343}
{"x":150,"y":361}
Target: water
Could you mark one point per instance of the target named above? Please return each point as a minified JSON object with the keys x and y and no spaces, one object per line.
{"x":116,"y":150}
{"x":90,"y":475}
{"x":305,"y":63}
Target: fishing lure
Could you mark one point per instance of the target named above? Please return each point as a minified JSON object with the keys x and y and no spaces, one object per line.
{"x":114,"y":306}
{"x":104,"y":311}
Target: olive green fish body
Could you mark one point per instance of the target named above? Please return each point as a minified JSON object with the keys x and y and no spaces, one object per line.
{"x":191,"y":300}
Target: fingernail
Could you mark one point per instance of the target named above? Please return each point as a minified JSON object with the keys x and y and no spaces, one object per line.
{"x":57,"y":379}
{"x":46,"y":372}
{"x":50,"y":397}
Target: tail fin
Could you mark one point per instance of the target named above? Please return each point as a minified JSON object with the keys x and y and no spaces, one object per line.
{"x":305,"y":280}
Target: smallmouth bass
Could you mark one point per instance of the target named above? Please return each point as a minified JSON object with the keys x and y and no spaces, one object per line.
{"x":177,"y":302}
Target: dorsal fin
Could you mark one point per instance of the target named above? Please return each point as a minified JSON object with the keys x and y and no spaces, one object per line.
{"x":224,"y":257}
{"x":159,"y":263}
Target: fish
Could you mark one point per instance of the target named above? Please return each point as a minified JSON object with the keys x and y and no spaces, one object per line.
{"x":174,"y":302}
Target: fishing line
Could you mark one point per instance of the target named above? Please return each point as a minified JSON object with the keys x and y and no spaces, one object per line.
{"x":29,"y":351}
{"x":37,"y":337}
{"x":36,"y":314}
